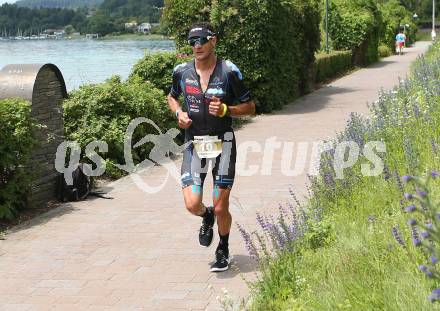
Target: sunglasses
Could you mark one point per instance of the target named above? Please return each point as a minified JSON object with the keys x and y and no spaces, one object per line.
{"x":201,"y":41}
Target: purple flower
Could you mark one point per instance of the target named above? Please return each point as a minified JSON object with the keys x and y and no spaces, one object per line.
{"x":294,"y":197}
{"x":434,"y":146}
{"x":249,"y":243}
{"x":415,"y":237}
{"x":410,"y":208}
{"x":408,"y":196}
{"x":387,"y":173}
{"x":397,"y":236}
{"x":371,"y":218}
{"x":416,"y":242}
{"x":423,"y":268}
{"x":428,"y":225}
{"x":435,"y":174}
{"x":429,"y":274}
{"x":412,"y":222}
{"x":434,"y":260}
{"x":422,"y":194}
{"x":407,"y":178}
{"x":436,"y":292}
{"x":262,"y":223}
{"x":329,"y":181}
{"x":432,"y":298}
{"x":425,"y":234}
{"x":398,"y":181}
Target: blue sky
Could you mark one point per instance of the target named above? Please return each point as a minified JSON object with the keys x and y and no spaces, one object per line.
{"x":9,"y":1}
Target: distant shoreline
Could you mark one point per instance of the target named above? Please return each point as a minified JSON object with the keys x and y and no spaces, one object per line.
{"x":135,"y":37}
{"x":131,"y":37}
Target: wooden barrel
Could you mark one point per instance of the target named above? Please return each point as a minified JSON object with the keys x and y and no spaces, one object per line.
{"x":43,"y":85}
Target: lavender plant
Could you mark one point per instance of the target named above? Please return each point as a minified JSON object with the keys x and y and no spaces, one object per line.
{"x":276,"y":235}
{"x":412,"y":107}
{"x":424,"y":222}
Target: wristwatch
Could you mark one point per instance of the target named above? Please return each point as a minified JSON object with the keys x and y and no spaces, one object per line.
{"x":177,"y":113}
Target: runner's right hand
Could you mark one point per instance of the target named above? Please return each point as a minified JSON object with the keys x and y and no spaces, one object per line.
{"x":184,"y":121}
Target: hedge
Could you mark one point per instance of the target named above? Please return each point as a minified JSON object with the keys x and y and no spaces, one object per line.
{"x":330,"y":65}
{"x":157,"y":68}
{"x":355,"y":25}
{"x":179,"y":15}
{"x":104,"y":111}
{"x":272,"y":42}
{"x":17,"y":142}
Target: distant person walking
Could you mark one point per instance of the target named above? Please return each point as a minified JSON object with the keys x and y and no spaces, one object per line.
{"x":400,"y":42}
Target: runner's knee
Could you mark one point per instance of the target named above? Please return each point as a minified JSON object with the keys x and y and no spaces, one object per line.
{"x":221,"y":209}
{"x":194,"y":206}
{"x":193,"y":199}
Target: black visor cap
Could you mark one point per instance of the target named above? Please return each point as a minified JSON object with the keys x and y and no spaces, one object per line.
{"x":199,"y":32}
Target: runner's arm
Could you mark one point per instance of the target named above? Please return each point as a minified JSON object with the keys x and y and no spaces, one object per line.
{"x":244,"y":109}
{"x":245,"y":105}
{"x":173,"y":104}
{"x":182,"y":118}
{"x":175,"y":91}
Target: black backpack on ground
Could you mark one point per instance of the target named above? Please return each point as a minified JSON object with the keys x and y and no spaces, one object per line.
{"x":81,"y":188}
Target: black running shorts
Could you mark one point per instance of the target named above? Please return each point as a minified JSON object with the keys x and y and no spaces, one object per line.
{"x":194,"y":169}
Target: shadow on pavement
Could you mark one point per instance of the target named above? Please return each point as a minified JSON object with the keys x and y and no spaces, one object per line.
{"x":320,"y":99}
{"x":55,"y":209}
{"x":381,"y":64}
{"x":239,"y":264}
{"x":58,"y":210}
{"x":103,"y":191}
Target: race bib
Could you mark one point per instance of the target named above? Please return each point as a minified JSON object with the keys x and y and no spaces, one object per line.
{"x":207,"y":147}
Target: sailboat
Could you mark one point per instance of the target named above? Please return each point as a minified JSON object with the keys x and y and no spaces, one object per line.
{"x":19,"y":35}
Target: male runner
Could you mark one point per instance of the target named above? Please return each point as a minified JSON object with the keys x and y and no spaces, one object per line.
{"x":213,"y":92}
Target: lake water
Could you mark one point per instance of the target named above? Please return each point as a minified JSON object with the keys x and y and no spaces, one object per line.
{"x":82,"y":61}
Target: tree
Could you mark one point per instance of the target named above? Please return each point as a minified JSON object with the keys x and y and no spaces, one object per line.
{"x":69,"y":30}
{"x":101,"y":24}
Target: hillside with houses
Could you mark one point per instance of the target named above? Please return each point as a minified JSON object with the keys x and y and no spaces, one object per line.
{"x":24,"y":20}
{"x":67,"y":4}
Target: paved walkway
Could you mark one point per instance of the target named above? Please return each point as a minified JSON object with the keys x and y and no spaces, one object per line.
{"x":140,"y":251}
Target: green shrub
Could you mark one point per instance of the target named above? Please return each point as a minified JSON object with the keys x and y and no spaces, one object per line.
{"x":330,"y":65}
{"x":424,"y":35}
{"x":16,"y":144}
{"x":179,"y":15}
{"x":355,"y":25}
{"x":103,"y":112}
{"x":385,"y":51}
{"x":411,"y":32}
{"x":157,"y":68}
{"x":272,"y":42}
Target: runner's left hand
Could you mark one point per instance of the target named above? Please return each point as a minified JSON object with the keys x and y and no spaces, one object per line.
{"x":215,"y":107}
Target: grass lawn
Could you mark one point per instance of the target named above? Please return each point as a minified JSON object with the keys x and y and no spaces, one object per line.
{"x":424,"y":35}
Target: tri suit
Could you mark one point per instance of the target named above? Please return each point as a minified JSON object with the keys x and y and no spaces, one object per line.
{"x":226,"y":83}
